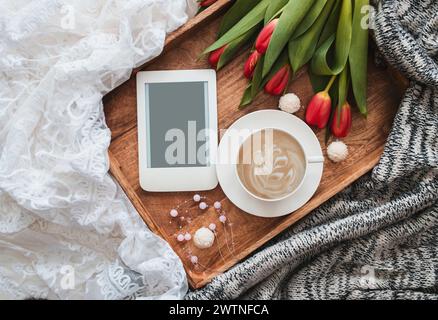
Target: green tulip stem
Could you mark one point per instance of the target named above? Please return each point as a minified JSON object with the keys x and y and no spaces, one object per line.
{"x":330,"y":84}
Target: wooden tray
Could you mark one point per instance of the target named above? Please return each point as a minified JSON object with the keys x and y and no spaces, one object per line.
{"x":247,"y":233}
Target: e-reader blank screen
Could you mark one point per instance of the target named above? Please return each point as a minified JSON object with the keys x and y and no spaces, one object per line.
{"x":177,"y":124}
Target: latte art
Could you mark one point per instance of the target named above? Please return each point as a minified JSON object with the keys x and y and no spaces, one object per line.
{"x":277,"y":164}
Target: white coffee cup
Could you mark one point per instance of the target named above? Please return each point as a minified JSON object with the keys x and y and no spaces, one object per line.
{"x":307,"y":159}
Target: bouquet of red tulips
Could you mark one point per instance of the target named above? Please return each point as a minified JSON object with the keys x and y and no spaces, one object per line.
{"x":329,"y":35}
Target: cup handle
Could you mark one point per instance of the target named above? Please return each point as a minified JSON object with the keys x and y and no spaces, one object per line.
{"x":317,"y":159}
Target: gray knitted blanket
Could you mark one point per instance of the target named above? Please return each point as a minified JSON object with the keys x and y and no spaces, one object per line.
{"x":379,"y":238}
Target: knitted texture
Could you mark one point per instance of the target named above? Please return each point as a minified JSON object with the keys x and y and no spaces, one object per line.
{"x":378,"y":239}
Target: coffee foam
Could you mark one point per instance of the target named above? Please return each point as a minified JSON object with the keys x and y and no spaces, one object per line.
{"x":276,"y":164}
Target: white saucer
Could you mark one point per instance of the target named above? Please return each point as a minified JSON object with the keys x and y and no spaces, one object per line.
{"x":227,"y":175}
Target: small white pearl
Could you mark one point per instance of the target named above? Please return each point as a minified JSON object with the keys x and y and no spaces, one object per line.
{"x":180,"y":237}
{"x":187,"y":236}
{"x":222,"y":219}
{"x":203,"y":206}
{"x":196,"y":198}
{"x":174,"y":213}
{"x":212,"y":227}
{"x":217,"y":205}
{"x":194,"y":259}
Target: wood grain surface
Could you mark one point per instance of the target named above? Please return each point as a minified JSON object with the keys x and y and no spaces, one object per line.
{"x":246,"y":232}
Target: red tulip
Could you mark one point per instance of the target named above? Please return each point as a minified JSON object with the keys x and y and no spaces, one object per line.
{"x":207,"y":3}
{"x":251,"y":64}
{"x":341,"y":124}
{"x":215,"y":56}
{"x":318,"y":110}
{"x":277,"y":85}
{"x":265,"y":35}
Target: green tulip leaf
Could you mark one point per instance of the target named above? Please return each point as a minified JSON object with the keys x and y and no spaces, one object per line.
{"x":323,"y":54}
{"x":359,"y":57}
{"x":247,"y":97}
{"x":332,"y":23}
{"x":293,"y":13}
{"x":311,"y":17}
{"x":239,"y":9}
{"x":342,"y":44}
{"x":274,"y":9}
{"x":257,"y":78}
{"x":343,"y":86}
{"x":301,"y":49}
{"x":252,"y":19}
{"x":236,"y":45}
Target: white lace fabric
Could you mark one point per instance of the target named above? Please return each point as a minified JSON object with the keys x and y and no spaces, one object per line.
{"x":66,"y":229}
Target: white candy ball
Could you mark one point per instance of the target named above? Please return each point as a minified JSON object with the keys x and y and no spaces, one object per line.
{"x":337,"y":151}
{"x":290,"y":103}
{"x":196,"y":198}
{"x":180,"y":237}
{"x":203,"y":238}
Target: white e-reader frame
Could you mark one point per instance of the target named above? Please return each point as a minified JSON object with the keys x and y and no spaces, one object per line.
{"x":154,"y":178}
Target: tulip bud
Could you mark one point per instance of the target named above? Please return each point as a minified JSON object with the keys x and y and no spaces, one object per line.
{"x":207,"y":3}
{"x":277,"y":84}
{"x":215,"y":56}
{"x":341,"y":124}
{"x":251,"y":64}
{"x":264,"y":37}
{"x":318,"y":110}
